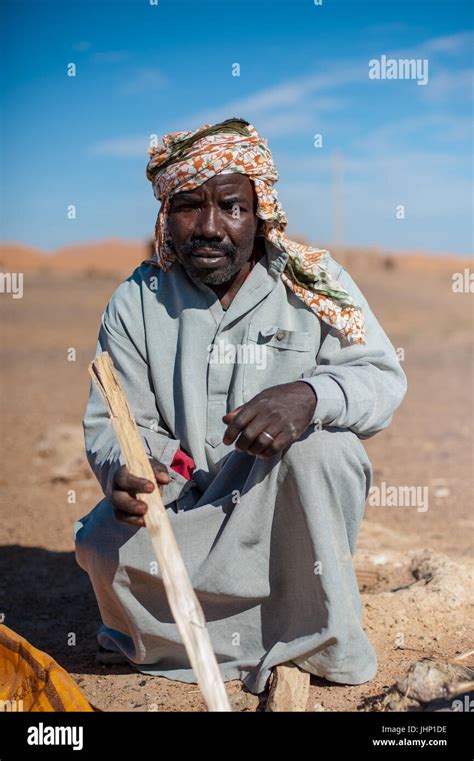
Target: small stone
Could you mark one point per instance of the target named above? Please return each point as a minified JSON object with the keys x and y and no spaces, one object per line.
{"x":243,"y":701}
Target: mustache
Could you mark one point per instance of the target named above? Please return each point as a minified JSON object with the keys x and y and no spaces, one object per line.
{"x":223,"y":249}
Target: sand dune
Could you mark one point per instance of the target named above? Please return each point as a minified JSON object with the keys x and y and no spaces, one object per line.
{"x":120,"y":257}
{"x":15,"y":257}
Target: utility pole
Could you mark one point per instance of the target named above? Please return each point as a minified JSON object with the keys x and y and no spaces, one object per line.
{"x":337,"y":167}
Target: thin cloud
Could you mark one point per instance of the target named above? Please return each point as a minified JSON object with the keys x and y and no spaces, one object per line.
{"x":111,"y":56}
{"x":395,"y":26}
{"x":295,"y":92}
{"x":284,"y":95}
{"x":451,"y":43}
{"x":127,"y":147}
{"x":450,"y":84}
{"x":82,"y":46}
{"x":290,"y":106}
{"x":142,"y":80}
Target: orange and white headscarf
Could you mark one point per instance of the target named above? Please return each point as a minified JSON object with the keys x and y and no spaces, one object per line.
{"x":185,"y":160}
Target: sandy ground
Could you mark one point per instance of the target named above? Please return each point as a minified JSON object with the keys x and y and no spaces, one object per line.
{"x":415,"y":567}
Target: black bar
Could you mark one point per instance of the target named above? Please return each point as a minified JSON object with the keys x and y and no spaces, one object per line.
{"x":445,"y":735}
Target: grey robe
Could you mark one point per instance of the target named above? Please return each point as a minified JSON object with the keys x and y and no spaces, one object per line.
{"x":268,"y":544}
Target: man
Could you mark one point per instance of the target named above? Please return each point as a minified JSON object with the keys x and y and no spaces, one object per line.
{"x":253,"y":366}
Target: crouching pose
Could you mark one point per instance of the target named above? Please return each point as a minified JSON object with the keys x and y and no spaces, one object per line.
{"x":254,"y":367}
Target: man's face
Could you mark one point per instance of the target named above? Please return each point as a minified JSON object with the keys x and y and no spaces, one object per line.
{"x":213,"y":227}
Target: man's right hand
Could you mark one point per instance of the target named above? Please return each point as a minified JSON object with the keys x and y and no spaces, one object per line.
{"x":125,"y":488}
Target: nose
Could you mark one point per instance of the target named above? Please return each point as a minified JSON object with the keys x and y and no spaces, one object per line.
{"x":208,"y":224}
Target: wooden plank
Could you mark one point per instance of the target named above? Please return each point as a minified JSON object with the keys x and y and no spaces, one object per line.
{"x":182,"y":599}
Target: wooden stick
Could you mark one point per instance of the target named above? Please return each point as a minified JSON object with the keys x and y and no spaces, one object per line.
{"x":182,"y":599}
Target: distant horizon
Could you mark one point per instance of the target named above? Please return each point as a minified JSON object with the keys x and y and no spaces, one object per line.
{"x":384,"y":250}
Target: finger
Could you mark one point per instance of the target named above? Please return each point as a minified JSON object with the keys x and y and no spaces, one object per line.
{"x":159,"y":469}
{"x":121,"y":500}
{"x":252,"y":439}
{"x":161,"y":476}
{"x":261,"y":442}
{"x":230,"y":415}
{"x":131,"y":520}
{"x":239,"y":422}
{"x":128,"y":482}
{"x":275,"y":447}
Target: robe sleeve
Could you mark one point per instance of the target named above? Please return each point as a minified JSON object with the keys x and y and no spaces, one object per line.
{"x":122,"y":335}
{"x":358,"y":386}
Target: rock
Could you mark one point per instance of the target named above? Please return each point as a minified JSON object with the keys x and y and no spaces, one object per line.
{"x":427,"y":685}
{"x":242,"y":700}
{"x":426,"y":681}
{"x":289,"y":689}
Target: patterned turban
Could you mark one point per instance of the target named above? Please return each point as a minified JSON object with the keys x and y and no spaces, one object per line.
{"x":185,"y":160}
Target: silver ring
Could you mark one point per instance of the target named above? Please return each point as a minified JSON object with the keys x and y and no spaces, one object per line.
{"x":268,"y":435}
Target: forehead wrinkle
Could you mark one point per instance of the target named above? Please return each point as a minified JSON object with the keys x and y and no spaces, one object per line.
{"x":223,"y":189}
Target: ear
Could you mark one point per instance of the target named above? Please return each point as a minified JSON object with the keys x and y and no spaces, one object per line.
{"x":259,"y":228}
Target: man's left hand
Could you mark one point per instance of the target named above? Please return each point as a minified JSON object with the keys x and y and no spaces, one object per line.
{"x":272,"y":420}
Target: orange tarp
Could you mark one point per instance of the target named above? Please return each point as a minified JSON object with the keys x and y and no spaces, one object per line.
{"x":31,"y":680}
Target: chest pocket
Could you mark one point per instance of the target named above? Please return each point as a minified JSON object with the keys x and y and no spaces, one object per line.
{"x":279,"y":338}
{"x":281,"y":356}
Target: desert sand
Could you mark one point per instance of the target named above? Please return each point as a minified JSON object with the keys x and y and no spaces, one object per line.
{"x":415,"y":568}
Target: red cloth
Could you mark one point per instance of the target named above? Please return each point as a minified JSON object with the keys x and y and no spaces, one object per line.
{"x":182,"y":462}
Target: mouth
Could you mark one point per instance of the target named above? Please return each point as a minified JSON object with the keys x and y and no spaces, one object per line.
{"x":207,"y":253}
{"x":207,"y":257}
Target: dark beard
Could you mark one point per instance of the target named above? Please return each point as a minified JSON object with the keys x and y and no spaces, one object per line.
{"x":218,"y":277}
{"x":213,"y":277}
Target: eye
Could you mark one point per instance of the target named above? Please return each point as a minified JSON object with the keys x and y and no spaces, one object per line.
{"x":185,"y":206}
{"x":234,"y":207}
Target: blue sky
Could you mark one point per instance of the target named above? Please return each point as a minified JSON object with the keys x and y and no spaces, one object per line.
{"x":150,"y":69}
